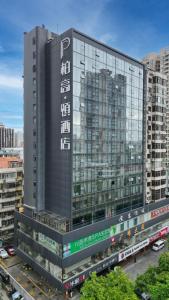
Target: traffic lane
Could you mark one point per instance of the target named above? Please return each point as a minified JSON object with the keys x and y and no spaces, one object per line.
{"x":138,"y":264}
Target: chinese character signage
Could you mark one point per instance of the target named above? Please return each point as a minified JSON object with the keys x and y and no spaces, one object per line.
{"x":133,"y":249}
{"x":65,"y":88}
{"x":160,"y":211}
{"x":88,"y":241}
{"x":47,"y":242}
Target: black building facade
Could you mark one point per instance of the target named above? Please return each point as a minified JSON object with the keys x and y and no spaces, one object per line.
{"x":84,"y":157}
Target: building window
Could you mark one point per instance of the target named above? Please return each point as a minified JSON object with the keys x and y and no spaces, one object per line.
{"x":122,"y":227}
{"x":34,"y":120}
{"x":34,"y":108}
{"x":135,"y":221}
{"x":77,"y":189}
{"x":34,"y":68}
{"x":34,"y":40}
{"x":34,"y":54}
{"x":34,"y":94}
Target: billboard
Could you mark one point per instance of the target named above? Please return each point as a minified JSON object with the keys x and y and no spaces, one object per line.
{"x":88,"y":241}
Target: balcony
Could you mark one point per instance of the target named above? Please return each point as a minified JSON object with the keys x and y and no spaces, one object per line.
{"x":4,"y":200}
{"x":7,"y":218}
{"x":4,"y":228}
{"x":7,"y":208}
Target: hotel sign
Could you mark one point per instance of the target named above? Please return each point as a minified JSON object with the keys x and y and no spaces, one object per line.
{"x":160,"y":211}
{"x":65,"y":87}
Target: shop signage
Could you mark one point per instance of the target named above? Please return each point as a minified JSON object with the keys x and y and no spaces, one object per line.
{"x":47,"y":242}
{"x":160,"y":211}
{"x":100,"y":267}
{"x":133,"y":249}
{"x":88,"y":241}
{"x":164,"y":231}
{"x":159,"y":234}
{"x":75,"y":281}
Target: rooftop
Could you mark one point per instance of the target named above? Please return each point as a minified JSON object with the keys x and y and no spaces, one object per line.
{"x":8,"y":162}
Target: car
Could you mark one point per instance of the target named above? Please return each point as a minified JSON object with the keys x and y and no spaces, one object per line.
{"x":17,"y":296}
{"x":142,"y":295}
{"x":158,"y":245}
{"x":10,"y":250}
{"x":3,"y":253}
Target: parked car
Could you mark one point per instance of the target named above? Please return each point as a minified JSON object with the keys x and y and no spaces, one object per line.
{"x":11,"y":250}
{"x":3,"y":253}
{"x":158,"y":245}
{"x":17,"y":296}
{"x":142,"y":295}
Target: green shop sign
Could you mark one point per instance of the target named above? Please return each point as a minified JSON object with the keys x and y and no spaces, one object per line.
{"x":88,"y":241}
{"x":47,"y":242}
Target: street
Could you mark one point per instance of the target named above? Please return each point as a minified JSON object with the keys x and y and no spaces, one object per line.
{"x":143,"y":261}
{"x":133,"y":266}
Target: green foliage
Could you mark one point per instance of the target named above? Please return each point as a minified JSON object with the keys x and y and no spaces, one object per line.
{"x":149,"y":277}
{"x":155,"y":280}
{"x":93,"y":288}
{"x":159,"y":291}
{"x":114,"y":286}
{"x":168,"y":243}
{"x":164,"y":261}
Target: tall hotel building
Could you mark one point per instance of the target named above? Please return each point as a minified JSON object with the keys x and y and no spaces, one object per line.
{"x":84,"y":206}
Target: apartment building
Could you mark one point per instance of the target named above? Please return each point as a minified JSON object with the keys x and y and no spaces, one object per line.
{"x":11,"y":192}
{"x":156,"y":137}
{"x":160,"y":62}
{"x":6,"y":137}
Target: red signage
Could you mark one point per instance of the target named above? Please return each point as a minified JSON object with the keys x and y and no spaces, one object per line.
{"x":73,"y":282}
{"x":159,"y":234}
{"x":160,"y":211}
{"x":164,"y":231}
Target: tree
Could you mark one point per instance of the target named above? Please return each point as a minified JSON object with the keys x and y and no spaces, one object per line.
{"x":164,"y":261}
{"x":159,"y":291}
{"x":155,"y":281}
{"x":93,"y":288}
{"x":114,"y":286}
{"x":149,"y":277}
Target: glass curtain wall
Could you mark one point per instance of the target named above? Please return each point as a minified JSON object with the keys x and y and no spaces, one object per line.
{"x":107,"y":134}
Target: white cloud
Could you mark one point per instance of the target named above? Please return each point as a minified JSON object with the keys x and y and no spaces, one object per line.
{"x":108,"y":38}
{"x":13,"y":82}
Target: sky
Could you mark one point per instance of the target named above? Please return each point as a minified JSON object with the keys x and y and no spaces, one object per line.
{"x":135,"y":27}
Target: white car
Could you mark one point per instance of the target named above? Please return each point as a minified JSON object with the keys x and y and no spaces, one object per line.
{"x":3,"y":253}
{"x":158,"y":245}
